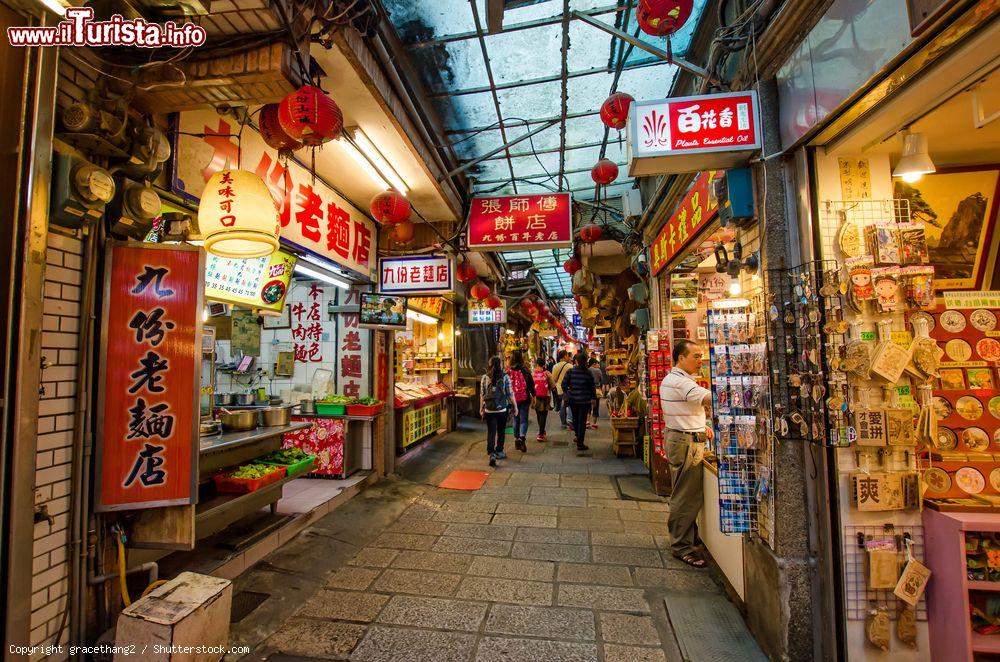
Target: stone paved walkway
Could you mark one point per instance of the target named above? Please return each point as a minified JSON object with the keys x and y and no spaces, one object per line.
{"x":546,"y":561}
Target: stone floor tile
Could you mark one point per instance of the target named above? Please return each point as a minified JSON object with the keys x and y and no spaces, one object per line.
{"x":419,"y":512}
{"x":638,"y":556}
{"x":553,"y":500}
{"x":591,"y":524}
{"x":418,"y":582}
{"x":375,"y":557}
{"x":473,"y":546}
{"x":617,"y":504}
{"x":489,"y":566}
{"x":560,"y":536}
{"x":314,"y":638}
{"x":608,"y":598}
{"x":588,"y":573}
{"x":548,"y":622}
{"x":497,"y":479}
{"x":526,"y":509}
{"x":587,"y":480}
{"x":690,"y":579}
{"x":506,"y":490}
{"x":601,"y":493}
{"x":589,"y":512}
{"x":628,"y":629}
{"x":661,"y":506}
{"x":462,"y":517}
{"x":622,"y":539}
{"x":404,"y":541}
{"x":418,"y":526}
{"x":615,"y":653}
{"x":535,"y":479}
{"x":435,"y":561}
{"x":560,"y":492}
{"x":503,"y":649}
{"x":646,"y":516}
{"x":550,"y":552}
{"x":485,"y":531}
{"x":434,"y":613}
{"x":344,"y":606}
{"x":384,"y":644}
{"x":487,"y":505}
{"x":517,"y":467}
{"x":352,"y":578}
{"x":672,"y":562}
{"x":494,"y":499}
{"x":662,"y":541}
{"x":653,"y":528}
{"x":518,"y":591}
{"x":565,"y":469}
{"x":513,"y":519}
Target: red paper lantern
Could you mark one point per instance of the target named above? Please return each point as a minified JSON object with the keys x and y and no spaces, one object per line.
{"x":614,"y":110}
{"x":493,"y":301}
{"x":402,"y":233}
{"x":465,"y":272}
{"x":590,"y":233}
{"x":272,"y":133}
{"x":604,"y":172}
{"x":572,"y":265}
{"x":390,"y":207}
{"x":479,"y":291}
{"x":662,"y":17}
{"x":310,"y":116}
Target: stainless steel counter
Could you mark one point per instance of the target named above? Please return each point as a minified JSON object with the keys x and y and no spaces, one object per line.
{"x":220,"y":442}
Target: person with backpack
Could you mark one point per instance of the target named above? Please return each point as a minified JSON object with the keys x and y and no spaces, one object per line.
{"x":580,"y":389}
{"x":544,"y":385}
{"x":523,"y":387}
{"x":496,"y":396}
{"x":558,"y":373}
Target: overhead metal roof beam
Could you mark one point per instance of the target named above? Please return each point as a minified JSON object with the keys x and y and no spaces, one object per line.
{"x":564,"y":72}
{"x":494,"y":15}
{"x":503,"y":148}
{"x":550,"y":150}
{"x":512,"y":122}
{"x":537,"y":176}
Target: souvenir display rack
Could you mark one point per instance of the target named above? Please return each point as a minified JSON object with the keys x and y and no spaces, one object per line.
{"x":859,"y":598}
{"x":658,"y":352}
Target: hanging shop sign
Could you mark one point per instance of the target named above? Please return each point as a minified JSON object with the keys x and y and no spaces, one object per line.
{"x":313,"y":218}
{"x":524,"y":222}
{"x":686,"y":134}
{"x":430,"y":305}
{"x":353,"y":370}
{"x":480,"y":313}
{"x":260,"y":283}
{"x":694,"y":212}
{"x":148,"y":430}
{"x":415,"y":274}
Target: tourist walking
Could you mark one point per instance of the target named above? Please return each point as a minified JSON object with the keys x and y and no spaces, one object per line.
{"x":496,"y":397}
{"x":523,"y":387}
{"x":544,"y":386}
{"x":595,"y":370}
{"x":579,"y":388}
{"x":561,"y":403}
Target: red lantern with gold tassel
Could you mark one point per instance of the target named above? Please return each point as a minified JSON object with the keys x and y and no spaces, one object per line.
{"x":590,"y":233}
{"x":465,"y":272}
{"x":662,"y":17}
{"x":614,"y":110}
{"x":493,"y":301}
{"x":273,"y":134}
{"x":479,"y":291}
{"x":390,"y":207}
{"x":604,"y":172}
{"x":402,"y":233}
{"x":310,"y":116}
{"x":572,"y":265}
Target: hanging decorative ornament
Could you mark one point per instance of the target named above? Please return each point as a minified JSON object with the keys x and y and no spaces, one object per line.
{"x":614,"y":110}
{"x":272,"y":132}
{"x":493,"y":301}
{"x":465,"y":272}
{"x":402,"y":233}
{"x":479,"y":291}
{"x":604,"y":172}
{"x":237,"y":216}
{"x":390,"y":207}
{"x":310,"y":116}
{"x":660,"y":18}
{"x":572,"y":265}
{"x":590,"y":233}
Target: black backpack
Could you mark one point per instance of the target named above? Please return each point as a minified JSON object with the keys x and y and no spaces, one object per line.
{"x":495,"y":395}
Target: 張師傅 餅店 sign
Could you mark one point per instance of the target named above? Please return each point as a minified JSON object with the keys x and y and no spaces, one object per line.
{"x":314,"y":219}
{"x":521,"y":222}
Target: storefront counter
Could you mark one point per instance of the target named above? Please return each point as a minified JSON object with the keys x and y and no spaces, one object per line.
{"x":219,"y":451}
{"x":726,"y":549}
{"x":342,"y":442}
{"x":417,"y":420}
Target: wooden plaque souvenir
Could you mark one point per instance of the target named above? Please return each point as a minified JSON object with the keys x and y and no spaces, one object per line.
{"x":871,"y":427}
{"x":899,"y":427}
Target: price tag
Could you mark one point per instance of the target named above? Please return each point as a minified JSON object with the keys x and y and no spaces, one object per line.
{"x":902,"y":338}
{"x":868,"y":335}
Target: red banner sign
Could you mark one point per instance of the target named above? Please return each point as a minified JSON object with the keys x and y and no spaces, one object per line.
{"x":694,"y":213}
{"x":524,"y":222}
{"x":148,"y":432}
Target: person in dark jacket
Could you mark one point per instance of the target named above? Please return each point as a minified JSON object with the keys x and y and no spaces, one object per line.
{"x":580,"y":389}
{"x":524,"y":391}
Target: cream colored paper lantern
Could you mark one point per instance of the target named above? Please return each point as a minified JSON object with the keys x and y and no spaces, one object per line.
{"x":237,"y":217}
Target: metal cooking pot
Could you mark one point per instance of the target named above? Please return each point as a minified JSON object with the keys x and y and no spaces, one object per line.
{"x":307,"y":407}
{"x":223,"y":399}
{"x":276,"y":416}
{"x":243,"y":399}
{"x":238,"y":421}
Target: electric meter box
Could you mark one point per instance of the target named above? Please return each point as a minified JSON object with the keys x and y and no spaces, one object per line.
{"x":80,"y":191}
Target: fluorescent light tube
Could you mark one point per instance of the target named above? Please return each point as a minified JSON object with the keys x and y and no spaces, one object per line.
{"x":420,"y":317}
{"x":363,"y":163}
{"x":389,"y":173}
{"x":319,"y":275}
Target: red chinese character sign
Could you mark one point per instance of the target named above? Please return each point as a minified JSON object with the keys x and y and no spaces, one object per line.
{"x":148,"y":430}
{"x":415,"y":274}
{"x":525,"y":222}
{"x":694,"y":212}
{"x":687,"y":134}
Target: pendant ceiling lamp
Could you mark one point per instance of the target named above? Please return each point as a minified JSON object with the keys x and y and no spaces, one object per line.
{"x":273,"y":133}
{"x":614,"y":110}
{"x":660,"y":18}
{"x":310,"y":116}
{"x":915,"y":161}
{"x":604,"y":172}
{"x":237,"y":217}
{"x":390,"y":207}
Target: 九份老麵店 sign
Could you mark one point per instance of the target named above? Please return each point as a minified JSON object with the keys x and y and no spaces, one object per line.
{"x":525,"y":222}
{"x":148,"y":428}
{"x":693,"y":214}
{"x":415,"y":274}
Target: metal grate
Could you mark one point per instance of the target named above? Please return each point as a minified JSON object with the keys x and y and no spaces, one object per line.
{"x":244,"y":602}
{"x":857,"y":596}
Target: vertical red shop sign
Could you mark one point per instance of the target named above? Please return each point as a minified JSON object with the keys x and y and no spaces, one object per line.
{"x":148,"y":430}
{"x":694,"y":212}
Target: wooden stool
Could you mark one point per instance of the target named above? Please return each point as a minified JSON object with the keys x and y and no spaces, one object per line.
{"x":623,"y":435}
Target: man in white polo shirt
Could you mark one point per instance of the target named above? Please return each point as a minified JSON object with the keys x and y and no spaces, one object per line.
{"x":684,"y":405}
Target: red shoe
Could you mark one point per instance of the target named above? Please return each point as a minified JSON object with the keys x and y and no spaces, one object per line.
{"x":594,"y":426}
{"x":540,"y":437}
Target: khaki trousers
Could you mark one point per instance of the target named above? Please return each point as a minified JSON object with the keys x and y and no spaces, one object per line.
{"x":684,"y":454}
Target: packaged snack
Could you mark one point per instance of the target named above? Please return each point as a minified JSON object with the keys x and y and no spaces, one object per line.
{"x":886,"y":283}
{"x":859,"y":270}
{"x":912,"y":243}
{"x":883,"y":243}
{"x":918,"y":286}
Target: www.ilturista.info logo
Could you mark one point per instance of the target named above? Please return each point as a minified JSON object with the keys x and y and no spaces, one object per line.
{"x":79,"y":29}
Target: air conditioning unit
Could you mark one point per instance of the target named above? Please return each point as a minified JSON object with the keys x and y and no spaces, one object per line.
{"x":632,"y":203}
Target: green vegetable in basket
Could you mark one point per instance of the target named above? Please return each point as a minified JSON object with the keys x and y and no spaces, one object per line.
{"x":337,"y":400}
{"x":253,"y":471}
{"x":368,"y":402}
{"x":287,"y":456}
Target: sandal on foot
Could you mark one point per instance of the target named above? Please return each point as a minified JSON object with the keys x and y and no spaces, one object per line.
{"x":693,"y":560}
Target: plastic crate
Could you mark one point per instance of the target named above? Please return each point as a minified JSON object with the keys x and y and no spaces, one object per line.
{"x":226,"y":484}
{"x":328,"y":409}
{"x":300,"y":467}
{"x":364,"y":410}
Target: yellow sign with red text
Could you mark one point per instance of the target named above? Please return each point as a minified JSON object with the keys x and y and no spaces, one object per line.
{"x":695,"y":212}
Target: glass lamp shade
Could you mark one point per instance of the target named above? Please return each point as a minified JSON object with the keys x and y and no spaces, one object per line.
{"x":915,"y":160}
{"x":237,"y":216}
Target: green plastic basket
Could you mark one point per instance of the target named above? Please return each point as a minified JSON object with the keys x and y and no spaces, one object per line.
{"x":328,"y":409}
{"x":300,"y":467}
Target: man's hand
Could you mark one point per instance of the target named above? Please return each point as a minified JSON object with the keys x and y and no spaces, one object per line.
{"x":709,"y":433}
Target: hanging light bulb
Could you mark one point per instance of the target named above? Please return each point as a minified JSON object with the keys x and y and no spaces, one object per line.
{"x":237,"y":217}
{"x":735,"y":289}
{"x":915,"y":161}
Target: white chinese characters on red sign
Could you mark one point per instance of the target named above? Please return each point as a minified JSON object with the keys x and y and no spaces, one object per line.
{"x":415,"y":274}
{"x":521,"y":221}
{"x":714,"y":122}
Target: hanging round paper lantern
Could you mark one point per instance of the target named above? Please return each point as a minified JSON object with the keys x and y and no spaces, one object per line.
{"x":604,"y":172}
{"x":237,"y":216}
{"x":272,"y":133}
{"x":390,"y":207}
{"x":590,"y":233}
{"x":465,"y":272}
{"x":662,"y":17}
{"x":572,"y":265}
{"x":479,"y":291}
{"x":614,"y":110}
{"x":310,"y":116}
{"x":493,"y":301}
{"x":402,"y":233}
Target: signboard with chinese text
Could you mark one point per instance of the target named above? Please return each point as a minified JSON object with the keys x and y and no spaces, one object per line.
{"x":150,"y":353}
{"x":260,"y":283}
{"x":415,"y":274}
{"x":525,"y":222}
{"x":686,"y":134}
{"x":307,"y":326}
{"x":430,"y":305}
{"x":353,"y":371}
{"x":694,"y":212}
{"x":479,"y":313}
{"x":313,"y":217}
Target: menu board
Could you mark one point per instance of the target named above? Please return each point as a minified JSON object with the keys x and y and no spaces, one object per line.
{"x":258,"y":283}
